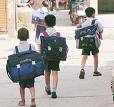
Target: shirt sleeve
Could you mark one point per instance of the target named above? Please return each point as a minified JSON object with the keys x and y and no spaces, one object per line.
{"x":100,"y":27}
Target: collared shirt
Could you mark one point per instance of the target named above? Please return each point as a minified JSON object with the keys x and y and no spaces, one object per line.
{"x":24,"y":46}
{"x":50,"y":31}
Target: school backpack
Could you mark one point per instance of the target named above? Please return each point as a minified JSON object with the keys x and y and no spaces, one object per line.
{"x":87,"y":38}
{"x":53,"y":47}
{"x":24,"y":65}
{"x":38,"y":17}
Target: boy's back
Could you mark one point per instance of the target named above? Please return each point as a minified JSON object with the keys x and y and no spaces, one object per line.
{"x":88,"y":22}
{"x":24,"y":46}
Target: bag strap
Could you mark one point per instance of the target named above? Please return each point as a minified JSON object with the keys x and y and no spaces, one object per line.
{"x":16,"y":49}
{"x":93,"y":21}
{"x":58,"y":34}
{"x":46,"y":34}
{"x":30,"y":48}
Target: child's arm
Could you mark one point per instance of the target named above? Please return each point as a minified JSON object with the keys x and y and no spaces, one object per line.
{"x":100,"y":29}
{"x":39,"y":48}
{"x":39,"y":43}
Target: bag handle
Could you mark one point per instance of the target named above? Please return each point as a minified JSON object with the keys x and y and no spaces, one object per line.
{"x":30,"y":48}
{"x":93,"y":21}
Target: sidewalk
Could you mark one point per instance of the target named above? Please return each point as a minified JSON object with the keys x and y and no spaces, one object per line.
{"x":90,"y":92}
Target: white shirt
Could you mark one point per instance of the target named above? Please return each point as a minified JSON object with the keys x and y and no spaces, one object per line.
{"x":41,"y":12}
{"x":50,"y":32}
{"x":24,"y":46}
{"x":44,"y":9}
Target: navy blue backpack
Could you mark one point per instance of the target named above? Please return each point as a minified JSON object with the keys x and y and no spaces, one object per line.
{"x":54,"y":47}
{"x":89,"y":30}
{"x":24,"y":65}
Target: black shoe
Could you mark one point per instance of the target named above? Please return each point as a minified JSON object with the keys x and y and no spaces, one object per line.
{"x":97,"y":74}
{"x":53,"y":95}
{"x":48,"y":91}
{"x":113,"y":97}
{"x":82,"y":74}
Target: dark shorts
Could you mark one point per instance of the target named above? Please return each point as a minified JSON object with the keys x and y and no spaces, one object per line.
{"x":27,"y":83}
{"x":52,"y":65}
{"x":88,"y":52}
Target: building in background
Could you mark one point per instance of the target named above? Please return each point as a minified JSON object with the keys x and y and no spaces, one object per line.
{"x":106,"y":6}
{"x":3,"y":15}
{"x":8,"y":11}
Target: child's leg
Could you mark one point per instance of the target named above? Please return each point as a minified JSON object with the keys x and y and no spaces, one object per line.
{"x":83,"y":62}
{"x":22,"y":94}
{"x":95,"y":62}
{"x":55,"y":83}
{"x":96,"y":73}
{"x":47,"y":79}
{"x":55,"y":80}
{"x":32,"y":92}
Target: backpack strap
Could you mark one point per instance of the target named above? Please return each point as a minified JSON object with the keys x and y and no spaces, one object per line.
{"x":16,"y":49}
{"x":58,"y":34}
{"x":30,"y":48}
{"x":93,"y":21}
{"x":45,"y":34}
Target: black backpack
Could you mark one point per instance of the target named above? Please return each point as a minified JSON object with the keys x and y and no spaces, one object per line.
{"x":54,"y":47}
{"x":89,"y":30}
{"x":84,"y":42}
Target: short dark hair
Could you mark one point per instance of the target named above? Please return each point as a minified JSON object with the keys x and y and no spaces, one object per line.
{"x":23,"y":34}
{"x":89,"y":11}
{"x":45,"y":4}
{"x":50,"y":20}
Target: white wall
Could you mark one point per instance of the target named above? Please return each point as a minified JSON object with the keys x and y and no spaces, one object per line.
{"x":11,"y":18}
{"x":94,"y":4}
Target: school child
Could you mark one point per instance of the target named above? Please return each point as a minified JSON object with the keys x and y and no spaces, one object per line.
{"x":90,"y":13}
{"x":40,"y":27}
{"x":52,"y":67}
{"x":23,"y":35}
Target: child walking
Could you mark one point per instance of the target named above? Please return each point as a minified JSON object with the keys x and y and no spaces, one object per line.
{"x":51,"y":67}
{"x":90,"y":13}
{"x":23,"y":35}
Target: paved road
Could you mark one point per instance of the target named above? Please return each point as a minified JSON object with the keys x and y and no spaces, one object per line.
{"x":72,"y":92}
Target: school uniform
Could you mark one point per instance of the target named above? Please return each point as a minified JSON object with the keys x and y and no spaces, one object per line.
{"x":50,"y":65}
{"x":88,"y":22}
{"x":24,"y":46}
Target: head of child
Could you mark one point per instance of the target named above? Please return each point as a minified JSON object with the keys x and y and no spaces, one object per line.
{"x":90,"y":12}
{"x":45,"y":4}
{"x":23,"y":34}
{"x":50,"y":20}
